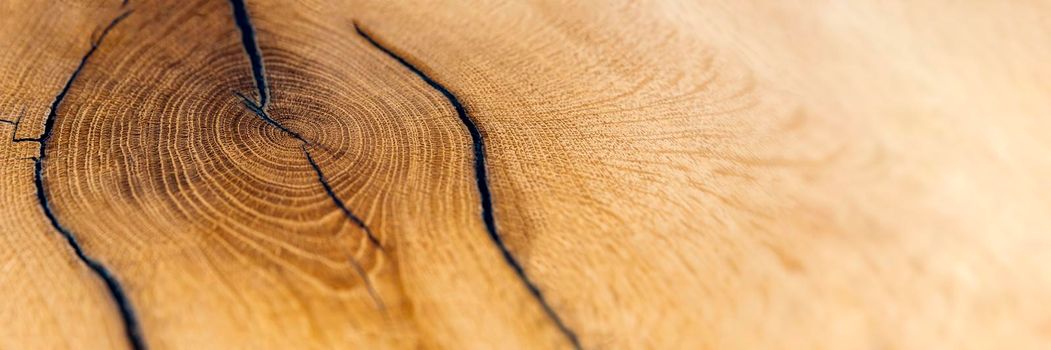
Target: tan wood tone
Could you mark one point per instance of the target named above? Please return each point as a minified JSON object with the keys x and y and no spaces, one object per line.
{"x":659,"y":174}
{"x":48,"y":298}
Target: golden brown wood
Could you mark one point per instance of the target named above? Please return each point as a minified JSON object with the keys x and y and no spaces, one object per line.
{"x":48,"y":298}
{"x":654,"y":174}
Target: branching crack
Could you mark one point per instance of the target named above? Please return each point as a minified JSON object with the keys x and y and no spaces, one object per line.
{"x":261,"y":112}
{"x":14,"y":124}
{"x":127,"y":312}
{"x":482,"y":181}
{"x":255,"y":57}
{"x":17,"y":120}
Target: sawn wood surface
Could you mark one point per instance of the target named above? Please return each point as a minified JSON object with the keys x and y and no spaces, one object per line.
{"x":262,"y":174}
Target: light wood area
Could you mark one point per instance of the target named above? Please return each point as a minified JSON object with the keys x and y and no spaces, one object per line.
{"x":666,"y":174}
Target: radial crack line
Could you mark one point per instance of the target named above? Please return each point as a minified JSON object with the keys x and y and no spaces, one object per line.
{"x":339,"y":202}
{"x":255,"y":58}
{"x":261,"y":113}
{"x":482,"y":181}
{"x":251,"y":46}
{"x":127,"y":312}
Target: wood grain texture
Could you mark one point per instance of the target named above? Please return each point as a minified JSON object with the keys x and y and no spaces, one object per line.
{"x":525,"y":175}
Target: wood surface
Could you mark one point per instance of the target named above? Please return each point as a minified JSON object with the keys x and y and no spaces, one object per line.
{"x":262,"y":174}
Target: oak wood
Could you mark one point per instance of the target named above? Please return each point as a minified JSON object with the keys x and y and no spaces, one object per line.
{"x":532,"y":175}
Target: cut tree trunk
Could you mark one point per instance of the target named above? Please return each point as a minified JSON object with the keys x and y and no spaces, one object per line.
{"x":253,"y":174}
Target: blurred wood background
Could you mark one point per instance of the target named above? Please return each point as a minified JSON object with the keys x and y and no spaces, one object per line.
{"x":213,"y":174}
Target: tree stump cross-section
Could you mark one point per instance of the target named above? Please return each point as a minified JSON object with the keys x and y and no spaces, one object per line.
{"x":524,"y":174}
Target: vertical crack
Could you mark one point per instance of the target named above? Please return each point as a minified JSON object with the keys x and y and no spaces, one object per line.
{"x":255,"y":58}
{"x":482,"y":180}
{"x":259,"y":109}
{"x":255,"y":55}
{"x":127,"y":312}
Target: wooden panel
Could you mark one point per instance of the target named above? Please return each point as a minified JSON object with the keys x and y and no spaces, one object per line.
{"x":543,"y":174}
